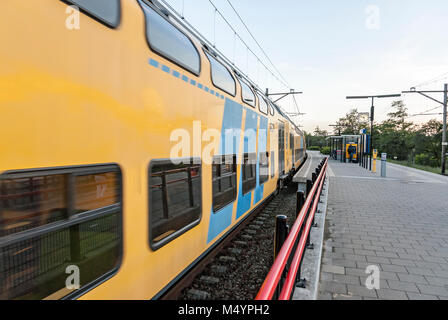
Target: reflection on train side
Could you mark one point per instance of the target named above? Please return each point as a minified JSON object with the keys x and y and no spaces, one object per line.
{"x":42,"y":230}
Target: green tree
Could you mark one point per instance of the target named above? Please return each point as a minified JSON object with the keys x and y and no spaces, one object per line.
{"x":395,"y":135}
{"x":428,"y":139}
{"x":398,"y":136}
{"x":352,"y":123}
{"x":317,"y":138}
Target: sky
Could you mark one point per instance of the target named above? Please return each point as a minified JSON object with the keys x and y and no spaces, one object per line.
{"x":332,"y":49}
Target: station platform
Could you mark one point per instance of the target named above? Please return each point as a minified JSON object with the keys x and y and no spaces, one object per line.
{"x":306,"y":171}
{"x":398,"y":224}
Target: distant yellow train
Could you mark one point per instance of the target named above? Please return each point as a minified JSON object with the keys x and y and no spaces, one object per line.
{"x":351,"y":148}
{"x":125,"y":150}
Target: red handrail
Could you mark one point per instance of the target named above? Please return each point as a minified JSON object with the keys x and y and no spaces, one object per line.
{"x":288,"y":286}
{"x":267,"y":290}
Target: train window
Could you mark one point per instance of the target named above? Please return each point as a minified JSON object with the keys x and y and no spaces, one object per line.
{"x":168,"y":41}
{"x":262,"y":105}
{"x":224,"y":181}
{"x":95,"y":191}
{"x":272,"y":164}
{"x":298,"y":154}
{"x":49,"y":222}
{"x":221,"y":76}
{"x":13,"y":200}
{"x":247,"y":95}
{"x":291,"y":142}
{"x":106,"y":11}
{"x":249,"y":171}
{"x":264,"y":167}
{"x":174,"y":199}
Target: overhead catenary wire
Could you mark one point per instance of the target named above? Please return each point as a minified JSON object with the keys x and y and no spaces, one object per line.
{"x":214,"y":28}
{"x":425,"y":113}
{"x":429,"y":114}
{"x":433,"y":80}
{"x":234,"y":48}
{"x":264,"y":53}
{"x":183,"y":8}
{"x":247,"y":46}
{"x":204,"y":39}
{"x":258,"y":44}
{"x":296,"y":104}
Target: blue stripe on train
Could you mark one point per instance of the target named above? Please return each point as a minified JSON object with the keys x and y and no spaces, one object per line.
{"x":262,"y":145}
{"x":250,"y":142}
{"x":232,"y":120}
{"x":231,"y":126}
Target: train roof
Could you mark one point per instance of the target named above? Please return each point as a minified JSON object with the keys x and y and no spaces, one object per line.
{"x":210,"y":47}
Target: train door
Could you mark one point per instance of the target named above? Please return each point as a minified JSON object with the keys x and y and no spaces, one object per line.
{"x":281,"y":148}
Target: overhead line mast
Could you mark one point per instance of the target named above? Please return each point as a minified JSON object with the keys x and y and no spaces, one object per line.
{"x":444,"y":104}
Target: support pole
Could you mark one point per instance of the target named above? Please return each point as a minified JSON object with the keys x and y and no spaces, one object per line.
{"x":281,"y":233}
{"x":309,"y":186}
{"x":372,"y":116}
{"x":300,"y":202}
{"x":444,"y":142}
{"x":444,"y":104}
{"x":360,"y":150}
{"x":342,"y":151}
{"x":331,"y":147}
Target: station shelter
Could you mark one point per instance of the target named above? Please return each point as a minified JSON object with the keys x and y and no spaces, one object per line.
{"x":339,"y":147}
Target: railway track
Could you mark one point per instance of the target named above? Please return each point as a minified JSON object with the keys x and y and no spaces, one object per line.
{"x":237,"y":267}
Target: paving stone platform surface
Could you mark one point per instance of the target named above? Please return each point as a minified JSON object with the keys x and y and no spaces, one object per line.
{"x":398,"y":224}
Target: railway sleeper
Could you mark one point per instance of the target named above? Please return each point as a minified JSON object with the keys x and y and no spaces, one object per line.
{"x":195,"y":294}
{"x":240,"y":243}
{"x":235,"y":251}
{"x":208,"y":280}
{"x":218,"y":269}
{"x":227,"y":259}
{"x":250,"y":232}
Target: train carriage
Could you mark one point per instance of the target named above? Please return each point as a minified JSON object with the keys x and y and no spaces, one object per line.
{"x":129,"y":149}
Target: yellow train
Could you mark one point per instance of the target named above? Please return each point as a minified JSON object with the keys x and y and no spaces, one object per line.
{"x":128,"y":149}
{"x":351,"y":148}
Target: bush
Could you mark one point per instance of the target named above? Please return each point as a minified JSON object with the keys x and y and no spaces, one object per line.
{"x":326,"y":151}
{"x":314,"y":148}
{"x":433,"y":162}
{"x":422,"y":159}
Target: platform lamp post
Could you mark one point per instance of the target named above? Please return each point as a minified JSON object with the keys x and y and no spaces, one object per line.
{"x":372,"y":116}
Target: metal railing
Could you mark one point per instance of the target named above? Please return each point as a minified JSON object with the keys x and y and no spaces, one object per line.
{"x":285,"y":272}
